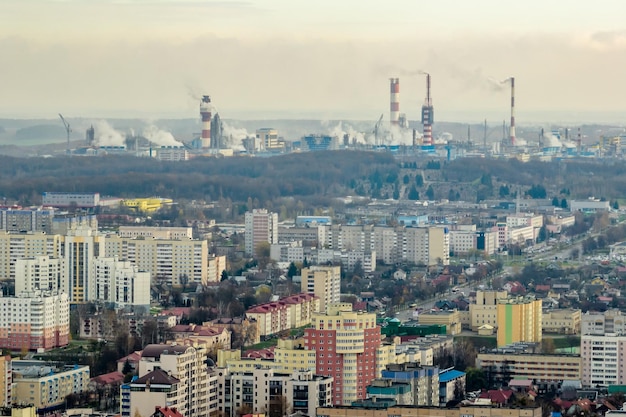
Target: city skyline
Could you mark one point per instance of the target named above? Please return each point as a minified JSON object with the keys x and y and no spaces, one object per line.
{"x":281,"y":59}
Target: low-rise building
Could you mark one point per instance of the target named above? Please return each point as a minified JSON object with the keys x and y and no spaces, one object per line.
{"x":154,"y":389}
{"x":421,"y":411}
{"x":562,"y":321}
{"x":45,"y":385}
{"x":288,"y":313}
{"x":449,"y":318}
{"x":424,"y":381}
{"x":451,"y":386}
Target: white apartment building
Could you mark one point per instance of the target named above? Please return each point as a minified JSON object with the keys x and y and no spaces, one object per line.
{"x":120,"y":282}
{"x":154,"y":389}
{"x":260,"y":226}
{"x":170,"y":260}
{"x":15,"y":246}
{"x":324,"y":282}
{"x":155,"y":232}
{"x":308,"y":234}
{"x":427,"y":245}
{"x":386,"y":244}
{"x":264,"y":390}
{"x":602,"y":348}
{"x":188,"y":365}
{"x":34,"y":320}
{"x":38,"y":273}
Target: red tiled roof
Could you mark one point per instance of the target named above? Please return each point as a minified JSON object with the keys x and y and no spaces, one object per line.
{"x":168,"y":412}
{"x":133,"y":357}
{"x":497,"y":396}
{"x":109,"y":379}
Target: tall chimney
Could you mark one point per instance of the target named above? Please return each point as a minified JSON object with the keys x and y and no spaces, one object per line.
{"x":512,"y":127}
{"x":394,"y":102}
{"x":205,"y":113}
{"x":427,"y":115}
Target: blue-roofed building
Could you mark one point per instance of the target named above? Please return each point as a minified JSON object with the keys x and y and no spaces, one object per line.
{"x":384,"y":387}
{"x":313,"y":220}
{"x":319,"y":143}
{"x":415,"y":220}
{"x":424,"y":381}
{"x":451,"y":386}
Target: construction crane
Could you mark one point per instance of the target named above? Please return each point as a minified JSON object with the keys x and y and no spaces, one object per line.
{"x":377,"y":129}
{"x":68,"y":130}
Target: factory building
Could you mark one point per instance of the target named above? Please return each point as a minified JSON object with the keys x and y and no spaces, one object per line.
{"x":79,"y":200}
{"x":267,"y":140}
{"x":320,"y":143}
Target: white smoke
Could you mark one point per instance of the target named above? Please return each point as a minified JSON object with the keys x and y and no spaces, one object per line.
{"x":341,"y":129}
{"x":106,"y":135}
{"x":232,"y":136}
{"x":160,"y":137}
{"x":551,"y":141}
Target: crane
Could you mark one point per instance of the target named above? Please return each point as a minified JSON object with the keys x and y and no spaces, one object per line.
{"x":377,"y":129}
{"x":68,"y":130}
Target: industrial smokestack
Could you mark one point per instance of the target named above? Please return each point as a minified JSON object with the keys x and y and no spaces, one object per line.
{"x":427,"y":115}
{"x":394,"y":102}
{"x":579,"y":142}
{"x":512,"y":127}
{"x":205,"y":113}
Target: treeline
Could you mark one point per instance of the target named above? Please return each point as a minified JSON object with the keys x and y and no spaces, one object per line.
{"x":239,"y":178}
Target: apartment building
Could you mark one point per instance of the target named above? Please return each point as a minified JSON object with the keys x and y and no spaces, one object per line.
{"x":6,"y":381}
{"x":324,"y":282}
{"x":485,"y":309}
{"x":562,"y":321}
{"x":26,"y":220}
{"x":427,"y":245}
{"x":34,"y":320}
{"x":602,"y":348}
{"x":519,"y":320}
{"x":309,"y":235}
{"x":543,"y":369}
{"x":346,"y":344}
{"x":156,"y":388}
{"x":38,"y":273}
{"x":160,"y":232}
{"x":423,"y":380}
{"x":288,"y":313}
{"x":216,"y":265}
{"x":188,"y":365}
{"x":14,"y":246}
{"x":263,"y":390}
{"x":78,"y":251}
{"x":120,"y":282}
{"x":52,"y":384}
{"x":260,"y":226}
{"x":172,"y":261}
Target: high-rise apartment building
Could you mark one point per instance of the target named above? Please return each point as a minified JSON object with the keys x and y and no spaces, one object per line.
{"x":427,"y":245}
{"x":324,"y":282}
{"x":260,"y":226}
{"x":602,"y":348}
{"x":345,"y":344}
{"x":79,"y":249}
{"x":34,"y":320}
{"x":188,"y":365}
{"x":15,"y":246}
{"x":173,"y":261}
{"x":41,"y":272}
{"x":519,"y":320}
{"x":120,"y":282}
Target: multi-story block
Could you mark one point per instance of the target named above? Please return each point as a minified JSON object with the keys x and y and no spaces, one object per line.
{"x":46,"y":386}
{"x":424,"y":381}
{"x":427,"y":245}
{"x":15,"y":246}
{"x":451,"y":386}
{"x":324,"y":282}
{"x":288,"y":313}
{"x":172,"y":261}
{"x":6,"y":381}
{"x":78,"y":251}
{"x":519,"y":320}
{"x":154,"y":389}
{"x":262,"y":389}
{"x":120,"y":282}
{"x":387,"y":388}
{"x":543,"y":369}
{"x":602,"y":347}
{"x":38,"y":273}
{"x":188,"y":365}
{"x":290,"y":356}
{"x":386,"y":245}
{"x":260,"y":226}
{"x":34,"y":320}
{"x":562,"y":321}
{"x":173,"y":233}
{"x":485,"y":310}
{"x":612,"y":321}
{"x":216,"y":265}
{"x":345,"y":343}
{"x":18,"y":220}
{"x":308,"y":235}
{"x":82,"y":200}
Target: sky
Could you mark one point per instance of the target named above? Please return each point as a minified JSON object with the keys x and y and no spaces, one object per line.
{"x":313,"y":59}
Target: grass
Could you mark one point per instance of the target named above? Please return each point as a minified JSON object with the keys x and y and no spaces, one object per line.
{"x":488,"y":342}
{"x":263,"y":345}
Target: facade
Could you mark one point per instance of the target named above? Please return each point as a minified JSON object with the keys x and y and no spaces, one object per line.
{"x":602,"y":347}
{"x":34,"y":320}
{"x":6,"y":381}
{"x":562,"y":321}
{"x":310,"y":235}
{"x":155,"y":232}
{"x":15,"y":246}
{"x":449,"y":318}
{"x":264,"y":390}
{"x":172,"y":153}
{"x":216,"y":265}
{"x":485,"y":310}
{"x":52,"y":384}
{"x":346,"y":344}
{"x":451,"y":386}
{"x":324,"y":282}
{"x":288,"y":313}
{"x":542,"y":369}
{"x":612,"y":321}
{"x":267,"y":139}
{"x":82,"y":200}
{"x":38,"y":273}
{"x":143,"y":394}
{"x":519,"y":320}
{"x":170,"y":260}
{"x":424,"y":381}
{"x":589,"y":205}
{"x":427,"y":245}
{"x":188,"y":365}
{"x":120,"y":282}
{"x":320,"y":143}
{"x":387,"y":388}
{"x":19,"y":220}
{"x":79,"y":249}
{"x":260,"y":226}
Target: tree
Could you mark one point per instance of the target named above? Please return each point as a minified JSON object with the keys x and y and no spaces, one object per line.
{"x":413,"y":194}
{"x":564,"y":203}
{"x":292,"y":270}
{"x":405,"y":179}
{"x":224,"y":276}
{"x":459,"y":390}
{"x":555,"y":201}
{"x":430,"y":193}
{"x":262,"y":254}
{"x":263,"y":294}
{"x":127,"y":367}
{"x":475,"y":379}
{"x":547,"y":346}
{"x":419,"y":180}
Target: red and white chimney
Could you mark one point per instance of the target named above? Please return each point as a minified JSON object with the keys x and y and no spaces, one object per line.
{"x":512,"y":128}
{"x":394,"y":102}
{"x":205,"y":113}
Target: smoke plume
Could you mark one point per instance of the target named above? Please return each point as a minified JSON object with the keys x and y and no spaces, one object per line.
{"x":160,"y":137}
{"x":232,"y":136}
{"x":106,"y":135}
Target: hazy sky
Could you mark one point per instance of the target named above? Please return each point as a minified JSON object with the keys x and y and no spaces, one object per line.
{"x":312,"y":59}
